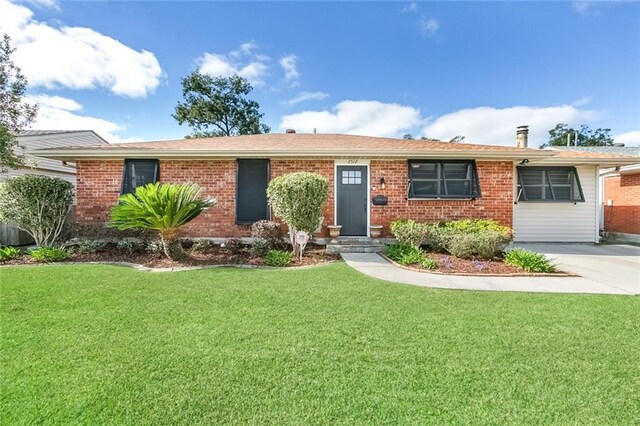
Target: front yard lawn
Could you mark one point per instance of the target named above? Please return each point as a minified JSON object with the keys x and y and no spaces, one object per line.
{"x":88,"y":344}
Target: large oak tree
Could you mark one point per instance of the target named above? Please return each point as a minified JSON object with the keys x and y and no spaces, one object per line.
{"x":218,"y":106}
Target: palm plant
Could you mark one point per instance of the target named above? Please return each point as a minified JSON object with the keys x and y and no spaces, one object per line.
{"x":161,"y":207}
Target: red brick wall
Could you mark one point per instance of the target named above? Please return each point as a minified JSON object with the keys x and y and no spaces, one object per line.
{"x":496,"y":186}
{"x":99,"y":184}
{"x":624,"y":215}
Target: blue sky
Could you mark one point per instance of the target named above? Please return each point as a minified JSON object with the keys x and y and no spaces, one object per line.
{"x":437,"y":69}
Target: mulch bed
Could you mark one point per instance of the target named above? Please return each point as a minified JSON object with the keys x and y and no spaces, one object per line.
{"x":447,"y":264}
{"x":313,"y":255}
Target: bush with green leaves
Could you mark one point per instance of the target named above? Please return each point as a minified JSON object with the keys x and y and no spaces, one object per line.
{"x":154,"y":246}
{"x":202,"y":245}
{"x":529,"y":261}
{"x":163,"y":208}
{"x":8,"y":253}
{"x":130,"y":246}
{"x":266,"y":236}
{"x":486,"y":244}
{"x":408,"y":254}
{"x":50,"y":254}
{"x":36,"y":204}
{"x":233,"y":246}
{"x":410,"y":232}
{"x":278,"y":258}
{"x":469,"y":238}
{"x":91,"y":246}
{"x":298,"y":199}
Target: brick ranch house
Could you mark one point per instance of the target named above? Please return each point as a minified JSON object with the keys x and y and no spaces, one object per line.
{"x":544,"y":195}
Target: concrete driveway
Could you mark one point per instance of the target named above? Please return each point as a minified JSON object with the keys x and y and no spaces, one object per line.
{"x":616,"y":266}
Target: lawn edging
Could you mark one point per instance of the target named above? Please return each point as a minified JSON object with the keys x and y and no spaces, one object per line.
{"x":466,"y":274}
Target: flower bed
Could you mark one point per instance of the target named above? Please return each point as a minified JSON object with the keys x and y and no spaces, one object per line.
{"x":451,"y":265}
{"x":213,"y":255}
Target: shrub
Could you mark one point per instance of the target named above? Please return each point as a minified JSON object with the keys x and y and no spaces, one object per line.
{"x":202,"y":245}
{"x":163,"y":208}
{"x":427,"y":263}
{"x":7,"y":253}
{"x":278,"y":258}
{"x":266,"y":236}
{"x":529,"y":261}
{"x":50,"y":254}
{"x":485,"y":245}
{"x":130,"y":246}
{"x":154,"y":246}
{"x":90,"y":246}
{"x":412,"y":258}
{"x":299,"y":199}
{"x":233,"y":246}
{"x":396,"y":251}
{"x":410,"y":232}
{"x":36,"y":204}
{"x":266,"y":230}
{"x":468,"y":238}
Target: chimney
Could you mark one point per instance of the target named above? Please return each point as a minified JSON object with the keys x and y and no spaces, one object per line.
{"x":290,"y":131}
{"x":522,"y":136}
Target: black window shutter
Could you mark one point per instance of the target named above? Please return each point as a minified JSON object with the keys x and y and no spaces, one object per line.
{"x":251,"y":191}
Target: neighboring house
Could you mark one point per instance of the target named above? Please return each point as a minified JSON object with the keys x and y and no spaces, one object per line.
{"x":545,"y":195}
{"x":30,"y":140}
{"x":620,"y":194}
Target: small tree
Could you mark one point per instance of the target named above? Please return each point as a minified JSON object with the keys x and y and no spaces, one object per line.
{"x":163,"y":208}
{"x":298,"y":199}
{"x":36,"y":204}
{"x":15,"y":114}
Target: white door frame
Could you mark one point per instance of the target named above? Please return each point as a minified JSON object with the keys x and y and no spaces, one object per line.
{"x":351,"y":162}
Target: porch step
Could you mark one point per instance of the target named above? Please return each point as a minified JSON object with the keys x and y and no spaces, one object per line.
{"x":355,"y":247}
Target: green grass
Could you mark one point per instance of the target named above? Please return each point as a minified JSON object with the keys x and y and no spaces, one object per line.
{"x":108,"y":345}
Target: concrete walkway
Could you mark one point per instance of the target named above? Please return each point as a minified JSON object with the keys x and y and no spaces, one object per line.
{"x":614,"y":271}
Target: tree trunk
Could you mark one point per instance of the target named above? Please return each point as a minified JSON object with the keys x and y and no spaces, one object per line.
{"x":171,"y":245}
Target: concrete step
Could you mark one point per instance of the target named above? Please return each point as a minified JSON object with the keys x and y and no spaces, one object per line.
{"x":355,"y":248}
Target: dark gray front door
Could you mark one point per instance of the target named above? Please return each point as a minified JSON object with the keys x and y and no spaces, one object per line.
{"x":352,"y":200}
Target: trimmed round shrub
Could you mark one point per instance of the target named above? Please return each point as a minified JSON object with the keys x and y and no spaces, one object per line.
{"x":484,"y":245}
{"x":36,"y":204}
{"x":299,"y":199}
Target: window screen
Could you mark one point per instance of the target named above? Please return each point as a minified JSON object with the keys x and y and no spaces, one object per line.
{"x":251,"y":191}
{"x":549,"y":184}
{"x":443,"y":179}
{"x":139,"y":173}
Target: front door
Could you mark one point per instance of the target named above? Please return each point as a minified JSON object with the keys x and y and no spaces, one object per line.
{"x":351,"y":208}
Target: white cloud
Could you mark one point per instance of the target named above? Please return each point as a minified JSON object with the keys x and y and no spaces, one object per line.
{"x":356,"y":117}
{"x":289,"y":64}
{"x":429,"y":27}
{"x":629,"y":138}
{"x":585,"y":100}
{"x":411,"y":7}
{"x":58,"y":113}
{"x":306,"y":96}
{"x":497,"y":126}
{"x":52,"y":4}
{"x":76,"y":57}
{"x":242,"y":62}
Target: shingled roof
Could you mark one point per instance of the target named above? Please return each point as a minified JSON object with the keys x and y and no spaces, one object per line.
{"x":274,"y":145}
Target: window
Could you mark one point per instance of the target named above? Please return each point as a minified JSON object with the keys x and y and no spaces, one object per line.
{"x":443,"y":179}
{"x":139,"y":173}
{"x":549,"y":184}
{"x":351,"y":177}
{"x":251,"y":191}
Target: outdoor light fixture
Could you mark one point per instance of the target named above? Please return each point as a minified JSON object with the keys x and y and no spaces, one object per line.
{"x":524,"y":162}
{"x":382,"y":183}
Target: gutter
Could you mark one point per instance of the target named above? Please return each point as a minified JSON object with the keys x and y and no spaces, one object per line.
{"x":71,"y":155}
